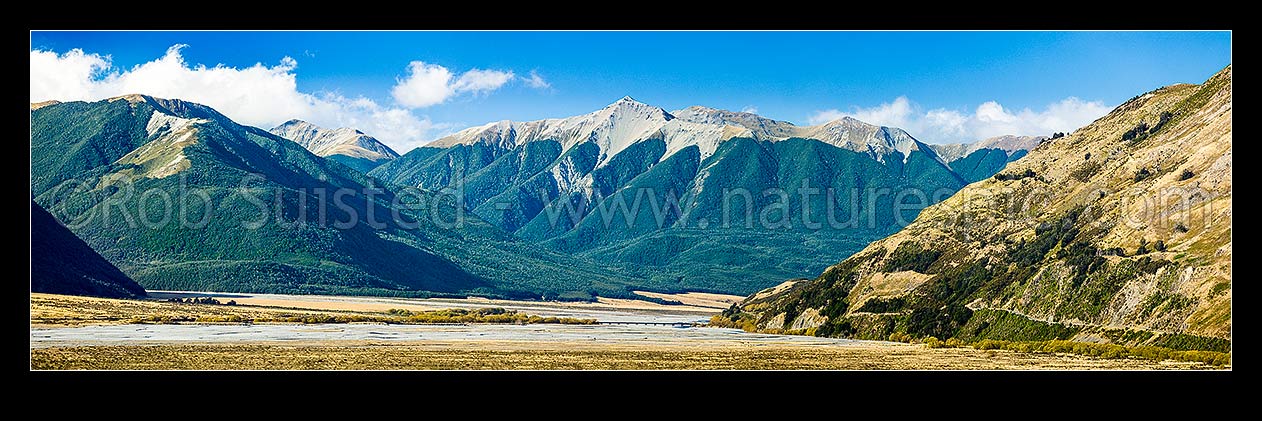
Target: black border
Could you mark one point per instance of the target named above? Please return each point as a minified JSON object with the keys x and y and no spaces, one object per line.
{"x":1054,"y":392}
{"x":641,"y":15}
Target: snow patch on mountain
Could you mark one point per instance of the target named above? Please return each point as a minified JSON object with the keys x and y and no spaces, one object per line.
{"x":339,"y":141}
{"x":627,"y":121}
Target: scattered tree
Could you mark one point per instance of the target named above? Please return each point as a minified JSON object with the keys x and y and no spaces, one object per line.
{"x":1142,"y":174}
{"x":1165,"y":117}
{"x":1136,"y":134}
{"x":1028,"y":173}
{"x":1113,"y":251}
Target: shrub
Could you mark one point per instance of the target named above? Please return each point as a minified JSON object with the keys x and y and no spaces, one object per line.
{"x":884,"y":305}
{"x":1149,"y":265}
{"x":1179,"y":227}
{"x":1085,"y":171}
{"x":1107,"y":350}
{"x":1113,"y":251}
{"x":1003,"y":325}
{"x":1165,"y":117}
{"x":734,"y":318}
{"x":1136,"y":134}
{"x":1219,"y":288}
{"x":1183,"y":342}
{"x":1028,"y":173}
{"x":1186,"y":175}
{"x":909,"y":256}
{"x":985,"y":344}
{"x":1142,"y":174}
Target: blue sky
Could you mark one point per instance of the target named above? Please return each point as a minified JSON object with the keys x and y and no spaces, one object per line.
{"x":941,"y":86}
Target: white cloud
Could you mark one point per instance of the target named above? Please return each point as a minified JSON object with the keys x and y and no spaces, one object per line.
{"x":536,"y":81}
{"x":428,"y":84}
{"x":66,"y":76}
{"x":259,"y":95}
{"x":425,"y":85}
{"x":988,"y":120}
{"x":824,"y":116}
{"x":894,"y":114}
{"x":481,"y":81}
{"x":750,"y":109}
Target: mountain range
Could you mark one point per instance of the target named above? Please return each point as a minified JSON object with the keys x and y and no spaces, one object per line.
{"x":348,"y":146}
{"x":733,"y":180}
{"x":1119,"y":232}
{"x":716,"y":190}
{"x":981,"y":159}
{"x":179,"y":197}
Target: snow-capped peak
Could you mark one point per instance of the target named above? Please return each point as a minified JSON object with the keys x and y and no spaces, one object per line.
{"x":613,"y":128}
{"x":877,"y":141}
{"x":760,"y":127}
{"x":628,"y":107}
{"x":627,"y":121}
{"x":339,"y":141}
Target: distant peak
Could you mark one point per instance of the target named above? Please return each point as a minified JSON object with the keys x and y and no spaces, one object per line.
{"x":626,"y":101}
{"x":704,"y":109}
{"x":848,"y":121}
{"x":339,"y":141}
{"x":629,"y":106}
{"x":701,"y":109}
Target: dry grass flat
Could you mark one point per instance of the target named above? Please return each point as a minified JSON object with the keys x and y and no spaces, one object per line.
{"x":323,"y":304}
{"x":52,"y":310}
{"x":502,"y":355}
{"x":697,"y":299}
